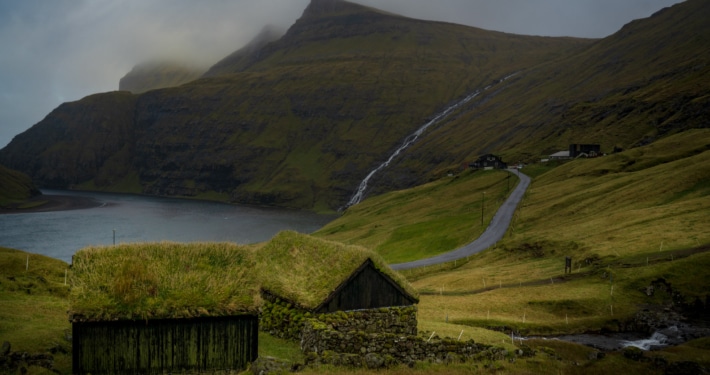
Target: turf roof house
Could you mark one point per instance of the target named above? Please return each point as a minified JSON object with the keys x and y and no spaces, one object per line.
{"x":489,"y":161}
{"x":303,"y":277}
{"x":161,"y":308}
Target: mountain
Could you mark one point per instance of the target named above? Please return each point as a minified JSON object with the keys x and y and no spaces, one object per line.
{"x":301,"y":120}
{"x":91,"y":139}
{"x":649,"y":80}
{"x":157,"y":75}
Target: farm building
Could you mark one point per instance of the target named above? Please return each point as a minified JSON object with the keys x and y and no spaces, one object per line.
{"x":489,"y":161}
{"x":577,"y":151}
{"x":167,"y":307}
{"x":161,"y":308}
{"x":584,"y":150}
{"x":560,"y":155}
{"x":310,"y":276}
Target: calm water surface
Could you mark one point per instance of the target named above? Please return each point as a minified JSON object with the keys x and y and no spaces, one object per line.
{"x":134,"y":218}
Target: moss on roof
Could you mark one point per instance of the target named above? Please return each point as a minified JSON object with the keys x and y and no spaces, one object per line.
{"x":306,"y":270}
{"x":173,"y":280}
{"x":162,"y":280}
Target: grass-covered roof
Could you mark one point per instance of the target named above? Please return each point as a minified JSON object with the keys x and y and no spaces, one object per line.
{"x":162,"y":280}
{"x":174,"y":280}
{"x":306,"y":270}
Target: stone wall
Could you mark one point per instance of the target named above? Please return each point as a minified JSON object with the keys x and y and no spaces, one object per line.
{"x":285,"y":320}
{"x":393,"y":320}
{"x":282,"y":319}
{"x":321,"y":344}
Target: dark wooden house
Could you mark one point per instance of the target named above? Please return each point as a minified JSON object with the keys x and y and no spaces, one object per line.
{"x":143,"y":309}
{"x":489,"y":161}
{"x":584,"y":150}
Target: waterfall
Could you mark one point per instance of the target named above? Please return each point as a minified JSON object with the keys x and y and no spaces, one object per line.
{"x":409,"y":140}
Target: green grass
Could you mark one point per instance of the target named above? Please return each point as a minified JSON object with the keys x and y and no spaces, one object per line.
{"x":426,"y":220}
{"x":305,"y":269}
{"x":162,"y":280}
{"x":286,"y":350}
{"x":33,"y":306}
{"x":611,"y":215}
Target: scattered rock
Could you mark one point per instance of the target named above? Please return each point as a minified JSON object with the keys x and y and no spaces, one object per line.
{"x":633,"y":353}
{"x":11,"y":361}
{"x":374,"y":361}
{"x":269,"y":365}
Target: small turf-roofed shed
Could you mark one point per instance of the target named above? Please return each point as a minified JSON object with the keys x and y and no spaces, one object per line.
{"x":162,"y":308}
{"x":323,"y":276}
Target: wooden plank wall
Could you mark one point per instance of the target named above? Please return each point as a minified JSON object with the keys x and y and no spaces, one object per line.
{"x":162,"y":346}
{"x":369,"y":289}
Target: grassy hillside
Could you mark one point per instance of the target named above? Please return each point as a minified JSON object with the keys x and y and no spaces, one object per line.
{"x":16,"y":187}
{"x":648,"y":80}
{"x":626,"y":220}
{"x":629,"y":220}
{"x":33,"y":306}
{"x":426,"y":220}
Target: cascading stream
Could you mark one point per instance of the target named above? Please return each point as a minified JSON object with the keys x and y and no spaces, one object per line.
{"x":409,"y":140}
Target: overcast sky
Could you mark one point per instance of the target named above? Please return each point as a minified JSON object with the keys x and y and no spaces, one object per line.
{"x":54,"y":51}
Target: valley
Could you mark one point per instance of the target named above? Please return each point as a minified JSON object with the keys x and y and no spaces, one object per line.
{"x":378,"y":117}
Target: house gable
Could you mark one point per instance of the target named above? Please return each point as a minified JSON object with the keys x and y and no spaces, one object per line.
{"x":366,"y":288}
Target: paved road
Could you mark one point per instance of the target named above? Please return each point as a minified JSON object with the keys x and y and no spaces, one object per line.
{"x":495,"y":231}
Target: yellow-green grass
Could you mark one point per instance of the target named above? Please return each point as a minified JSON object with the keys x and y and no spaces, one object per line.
{"x":628,"y":202}
{"x":286,"y":350}
{"x":48,"y":324}
{"x":33,"y":305}
{"x":426,"y":220}
{"x":305,"y":270}
{"x":162,"y":280}
{"x":643,"y":206}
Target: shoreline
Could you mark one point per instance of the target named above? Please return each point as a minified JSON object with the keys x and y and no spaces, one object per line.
{"x":51,"y":203}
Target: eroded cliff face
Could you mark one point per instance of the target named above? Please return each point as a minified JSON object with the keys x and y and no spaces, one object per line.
{"x":90,"y":139}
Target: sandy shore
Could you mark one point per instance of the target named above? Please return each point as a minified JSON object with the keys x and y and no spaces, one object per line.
{"x":46,"y":203}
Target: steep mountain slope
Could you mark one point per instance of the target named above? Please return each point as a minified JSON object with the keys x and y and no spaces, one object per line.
{"x":649,"y":80}
{"x":157,"y":75}
{"x":297,"y":124}
{"x":15,"y":187}
{"x":78,"y":141}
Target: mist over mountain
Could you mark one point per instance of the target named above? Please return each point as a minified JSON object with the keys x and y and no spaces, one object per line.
{"x":297,"y":120}
{"x":246,"y":55}
{"x":157,"y":75}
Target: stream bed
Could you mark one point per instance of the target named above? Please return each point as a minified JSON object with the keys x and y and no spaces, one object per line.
{"x":670,"y":336}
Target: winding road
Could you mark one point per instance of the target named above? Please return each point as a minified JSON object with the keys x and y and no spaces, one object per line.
{"x":495,"y":231}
